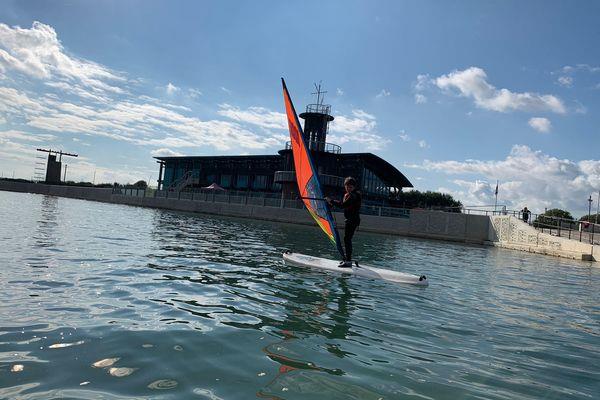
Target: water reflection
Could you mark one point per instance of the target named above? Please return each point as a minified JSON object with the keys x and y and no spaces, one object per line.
{"x":143,"y":303}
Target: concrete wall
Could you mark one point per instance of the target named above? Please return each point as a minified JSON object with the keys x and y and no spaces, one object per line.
{"x":420,"y":223}
{"x":87,"y":193}
{"x":512,"y":233}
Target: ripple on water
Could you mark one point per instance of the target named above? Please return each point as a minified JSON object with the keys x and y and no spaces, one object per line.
{"x":128,"y":301}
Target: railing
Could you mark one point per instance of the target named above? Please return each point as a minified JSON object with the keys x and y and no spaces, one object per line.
{"x":186,"y":179}
{"x":318,"y":108}
{"x":284,"y":176}
{"x":326,"y":180}
{"x":576,"y":230}
{"x":581,"y":231}
{"x":253,"y":198}
{"x":319,"y":146}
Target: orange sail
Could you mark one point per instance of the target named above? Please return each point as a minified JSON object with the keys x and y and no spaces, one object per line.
{"x":306,"y":176}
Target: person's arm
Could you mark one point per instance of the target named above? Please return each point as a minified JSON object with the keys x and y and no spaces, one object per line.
{"x":349,"y":201}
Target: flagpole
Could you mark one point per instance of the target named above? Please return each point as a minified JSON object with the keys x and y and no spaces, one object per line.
{"x":597,"y":208}
{"x":496,"y":193}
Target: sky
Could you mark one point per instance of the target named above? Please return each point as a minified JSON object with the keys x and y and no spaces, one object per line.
{"x":456,"y":95}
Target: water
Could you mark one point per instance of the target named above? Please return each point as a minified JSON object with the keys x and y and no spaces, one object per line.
{"x":109,"y":301}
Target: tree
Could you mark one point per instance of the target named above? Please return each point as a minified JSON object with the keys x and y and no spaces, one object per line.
{"x":551,"y":217}
{"x":428,"y":199}
{"x":591,"y":218}
{"x":140,"y":184}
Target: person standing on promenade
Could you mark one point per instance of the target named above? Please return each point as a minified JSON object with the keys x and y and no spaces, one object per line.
{"x":526,"y":214}
{"x":351,"y":205}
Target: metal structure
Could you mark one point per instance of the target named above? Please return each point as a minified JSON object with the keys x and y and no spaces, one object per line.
{"x":53,"y":166}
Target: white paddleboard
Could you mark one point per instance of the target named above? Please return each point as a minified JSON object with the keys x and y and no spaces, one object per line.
{"x":303,"y":260}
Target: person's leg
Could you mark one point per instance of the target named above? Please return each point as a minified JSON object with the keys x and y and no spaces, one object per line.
{"x":349,"y":230}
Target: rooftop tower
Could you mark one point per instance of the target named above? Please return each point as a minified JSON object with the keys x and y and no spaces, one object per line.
{"x":316,"y":121}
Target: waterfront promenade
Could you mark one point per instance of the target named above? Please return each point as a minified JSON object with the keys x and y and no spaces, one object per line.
{"x":500,"y":231}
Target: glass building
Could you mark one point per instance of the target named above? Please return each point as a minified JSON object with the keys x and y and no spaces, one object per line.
{"x":378,"y":180}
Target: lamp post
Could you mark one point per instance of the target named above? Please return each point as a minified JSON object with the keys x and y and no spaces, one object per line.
{"x":590,"y":208}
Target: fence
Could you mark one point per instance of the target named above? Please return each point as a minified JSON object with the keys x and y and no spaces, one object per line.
{"x":251,"y":198}
{"x":581,"y":231}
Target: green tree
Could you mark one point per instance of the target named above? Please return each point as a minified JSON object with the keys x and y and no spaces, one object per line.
{"x":595,"y":218}
{"x":550,"y":218}
{"x":428,"y":199}
{"x":140,"y":184}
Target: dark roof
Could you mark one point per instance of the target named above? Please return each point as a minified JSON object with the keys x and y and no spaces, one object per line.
{"x":378,"y":165}
{"x":390,"y":174}
{"x":245,"y":157}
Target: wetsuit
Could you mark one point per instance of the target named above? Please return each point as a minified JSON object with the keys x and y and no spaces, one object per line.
{"x":351,"y":205}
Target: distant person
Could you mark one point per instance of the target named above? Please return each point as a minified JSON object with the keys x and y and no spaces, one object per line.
{"x":351,"y":205}
{"x":526,"y":214}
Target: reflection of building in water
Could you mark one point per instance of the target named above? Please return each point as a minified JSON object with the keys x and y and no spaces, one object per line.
{"x":379,"y":180}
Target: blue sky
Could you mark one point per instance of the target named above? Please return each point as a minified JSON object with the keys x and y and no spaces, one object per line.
{"x":456,"y":95}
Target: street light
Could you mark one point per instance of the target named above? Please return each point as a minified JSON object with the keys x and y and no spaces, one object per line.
{"x":590,"y":208}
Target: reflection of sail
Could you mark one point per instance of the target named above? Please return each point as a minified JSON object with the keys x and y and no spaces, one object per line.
{"x":314,"y":379}
{"x":306,"y":176}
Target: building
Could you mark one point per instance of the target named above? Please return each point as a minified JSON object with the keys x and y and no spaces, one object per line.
{"x":379,"y":180}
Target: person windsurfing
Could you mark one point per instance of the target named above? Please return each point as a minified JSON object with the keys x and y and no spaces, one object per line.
{"x":351,"y":205}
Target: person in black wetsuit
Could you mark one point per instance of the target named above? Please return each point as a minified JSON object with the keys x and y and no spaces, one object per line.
{"x":351,"y":205}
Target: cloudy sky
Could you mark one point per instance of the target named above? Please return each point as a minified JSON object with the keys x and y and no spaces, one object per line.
{"x":456,"y":95}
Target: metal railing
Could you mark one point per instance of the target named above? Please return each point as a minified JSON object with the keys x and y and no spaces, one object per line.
{"x":252,"y":198}
{"x":576,"y":230}
{"x":319,"y":146}
{"x":581,"y":231}
{"x":318,"y":108}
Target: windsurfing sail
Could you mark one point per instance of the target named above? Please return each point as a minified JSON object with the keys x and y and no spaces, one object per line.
{"x":309,"y":186}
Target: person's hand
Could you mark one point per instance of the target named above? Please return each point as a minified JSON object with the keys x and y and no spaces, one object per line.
{"x":328,"y":200}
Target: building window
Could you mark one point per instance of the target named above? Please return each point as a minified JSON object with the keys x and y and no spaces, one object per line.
{"x":260,"y":182}
{"x":225,"y":181}
{"x":242,"y":181}
{"x":372,"y":183}
{"x":210,"y":179}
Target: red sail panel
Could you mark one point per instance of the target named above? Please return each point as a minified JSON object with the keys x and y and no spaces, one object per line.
{"x":308,"y":182}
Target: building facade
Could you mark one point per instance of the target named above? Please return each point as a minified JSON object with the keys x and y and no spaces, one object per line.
{"x":379,"y":181}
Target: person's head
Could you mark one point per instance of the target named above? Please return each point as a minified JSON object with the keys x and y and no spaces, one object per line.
{"x":525,"y":208}
{"x":349,"y":184}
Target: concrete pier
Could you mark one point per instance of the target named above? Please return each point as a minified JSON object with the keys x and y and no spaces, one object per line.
{"x":511,"y":233}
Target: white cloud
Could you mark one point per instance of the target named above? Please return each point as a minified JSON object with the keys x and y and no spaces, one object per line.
{"x":360,"y":128}
{"x":163,"y":152}
{"x":259,"y":116}
{"x":580,"y":108}
{"x":472,"y":82}
{"x":526,"y":177}
{"x":194,"y":93}
{"x":223,"y":88}
{"x":404,"y":136}
{"x":568,"y":69}
{"x":363,"y":114}
{"x":540,"y":124}
{"x":420,"y":99}
{"x":171,"y":89}
{"x":355,"y":124}
{"x":422,"y":83}
{"x":37,"y":53}
{"x":566,"y":81}
{"x":423,"y":144}
{"x":19,"y":135}
{"x":383,"y":93}
{"x":339,"y":92}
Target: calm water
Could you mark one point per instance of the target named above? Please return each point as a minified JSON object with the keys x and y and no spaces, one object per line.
{"x":107,"y":301}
